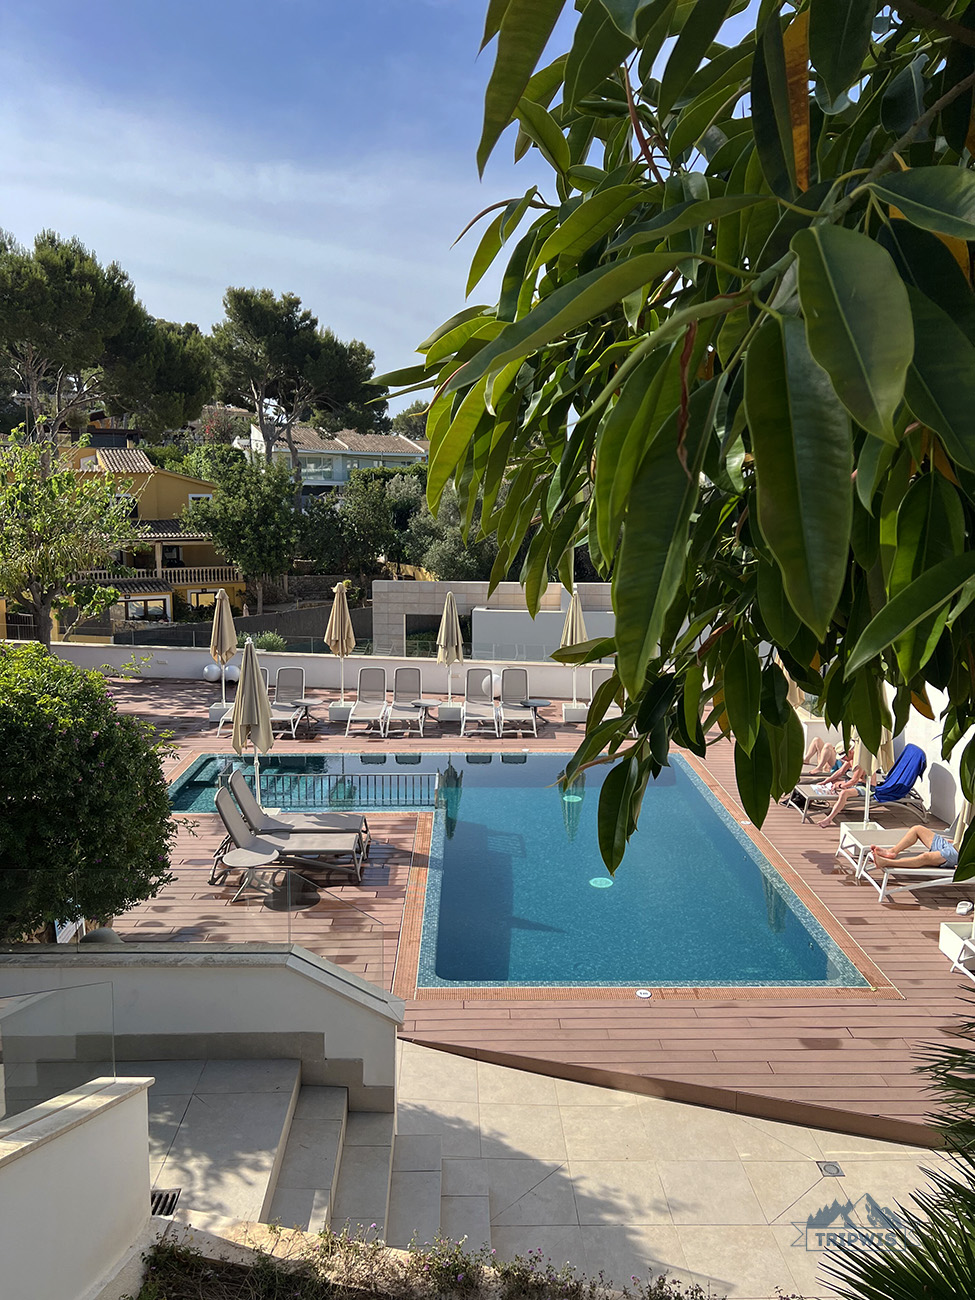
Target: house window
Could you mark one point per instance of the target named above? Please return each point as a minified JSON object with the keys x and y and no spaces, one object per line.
{"x":199,"y":599}
{"x":172,"y":557}
{"x":152,"y":610}
{"x":200,"y":496}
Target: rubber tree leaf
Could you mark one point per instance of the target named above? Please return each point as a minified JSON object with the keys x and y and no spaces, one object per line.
{"x":686,"y":216}
{"x":632,"y":17}
{"x":654,"y":546}
{"x":940,"y":387}
{"x":866,"y":711}
{"x":753,"y":776}
{"x":598,"y":49}
{"x":574,"y":304}
{"x":771,"y":113}
{"x":541,"y":126}
{"x":930,"y":528}
{"x":613,"y":819}
{"x":743,"y":693}
{"x":858,"y":321}
{"x":448,"y":449}
{"x":691,"y":47}
{"x":795,"y":45}
{"x":839,"y":38}
{"x":787,"y":744}
{"x":803,"y":463}
{"x":523,"y":30}
{"x":590,"y":221}
{"x":780,"y":619}
{"x":941,"y":199}
{"x":924,"y":596}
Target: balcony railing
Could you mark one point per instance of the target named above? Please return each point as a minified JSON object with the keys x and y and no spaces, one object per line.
{"x":179,"y":577}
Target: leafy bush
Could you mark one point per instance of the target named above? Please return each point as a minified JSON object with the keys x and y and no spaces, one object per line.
{"x":262,"y":640}
{"x":85,"y":823}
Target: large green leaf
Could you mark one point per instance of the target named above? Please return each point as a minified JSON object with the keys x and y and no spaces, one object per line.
{"x":691,"y":47}
{"x":930,"y":528}
{"x":926,"y":262}
{"x":523,"y":31}
{"x":743,"y":693}
{"x":839,"y":37}
{"x":941,"y":199}
{"x":685,"y":216}
{"x":803,"y":462}
{"x":589,"y":223}
{"x":940,"y":387}
{"x":598,"y":49}
{"x":633,"y":16}
{"x":754,"y":775}
{"x":541,"y":126}
{"x":924,"y":596}
{"x":654,"y":543}
{"x":565,"y":309}
{"x":858,"y":321}
{"x":613,"y":819}
{"x":780,"y":619}
{"x":771,"y":119}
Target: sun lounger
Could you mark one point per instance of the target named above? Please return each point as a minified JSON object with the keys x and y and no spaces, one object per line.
{"x":597,"y":678}
{"x":261,"y":823}
{"x":325,"y":851}
{"x":406,"y":688}
{"x":513,"y":711}
{"x":478,"y":705}
{"x":370,"y":699}
{"x":895,"y":791}
{"x":228,"y":717}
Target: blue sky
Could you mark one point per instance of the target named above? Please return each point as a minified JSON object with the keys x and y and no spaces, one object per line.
{"x":320,"y":146}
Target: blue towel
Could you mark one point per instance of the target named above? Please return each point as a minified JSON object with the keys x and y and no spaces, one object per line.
{"x":903,"y":776}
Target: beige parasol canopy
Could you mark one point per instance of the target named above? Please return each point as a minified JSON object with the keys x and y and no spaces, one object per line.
{"x":252,"y":713}
{"x":223,"y":639}
{"x":339,"y":635}
{"x":450,"y":648}
{"x":573,"y":633}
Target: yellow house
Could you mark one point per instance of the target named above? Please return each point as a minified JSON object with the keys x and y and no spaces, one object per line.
{"x":169,"y":562}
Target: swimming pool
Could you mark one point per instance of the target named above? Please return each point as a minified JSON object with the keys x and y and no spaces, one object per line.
{"x":516,"y":892}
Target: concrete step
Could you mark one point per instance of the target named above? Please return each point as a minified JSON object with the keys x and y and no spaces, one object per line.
{"x":217,"y":1131}
{"x":464,"y":1206}
{"x":362,"y":1198}
{"x":309,"y":1174}
{"x":414,"y":1190}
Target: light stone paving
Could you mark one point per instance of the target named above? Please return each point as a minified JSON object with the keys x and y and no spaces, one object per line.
{"x":627,"y":1185}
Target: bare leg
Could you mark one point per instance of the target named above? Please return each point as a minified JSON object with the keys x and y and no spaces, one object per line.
{"x":842,"y":801}
{"x":930,"y":859}
{"x":815,"y":750}
{"x":916,"y":835}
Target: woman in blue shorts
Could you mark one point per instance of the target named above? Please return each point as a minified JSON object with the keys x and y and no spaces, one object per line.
{"x":940,"y":851}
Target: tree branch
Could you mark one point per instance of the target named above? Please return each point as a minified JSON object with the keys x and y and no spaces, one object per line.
{"x":641,"y":139}
{"x":955,"y":30}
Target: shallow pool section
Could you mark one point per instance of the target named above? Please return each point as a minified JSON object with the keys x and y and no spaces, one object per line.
{"x":517,"y":893}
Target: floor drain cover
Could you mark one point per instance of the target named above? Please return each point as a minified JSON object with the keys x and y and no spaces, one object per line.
{"x":830,"y":1169}
{"x":163,"y":1201}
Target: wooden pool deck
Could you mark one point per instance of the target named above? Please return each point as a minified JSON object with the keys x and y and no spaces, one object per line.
{"x":845,"y":1059}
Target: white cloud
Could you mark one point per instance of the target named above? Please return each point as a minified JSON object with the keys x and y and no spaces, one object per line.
{"x":188,"y":210}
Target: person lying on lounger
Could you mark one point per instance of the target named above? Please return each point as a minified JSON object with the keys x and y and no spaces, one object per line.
{"x":940,"y":850}
{"x":826,"y":759}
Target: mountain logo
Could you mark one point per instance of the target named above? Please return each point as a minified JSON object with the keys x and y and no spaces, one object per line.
{"x":864,"y":1223}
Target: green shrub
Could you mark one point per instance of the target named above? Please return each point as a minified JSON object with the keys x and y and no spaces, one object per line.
{"x":85,"y":825}
{"x":262,"y":640}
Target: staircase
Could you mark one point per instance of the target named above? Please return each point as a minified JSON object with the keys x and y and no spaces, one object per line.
{"x":245,"y":1141}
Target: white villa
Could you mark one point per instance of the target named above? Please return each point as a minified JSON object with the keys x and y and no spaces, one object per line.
{"x":327,"y":459}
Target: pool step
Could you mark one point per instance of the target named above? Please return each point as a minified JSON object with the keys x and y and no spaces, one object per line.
{"x":415,"y":1190}
{"x":308,"y":1179}
{"x":464,"y":1206}
{"x":362,"y":1195}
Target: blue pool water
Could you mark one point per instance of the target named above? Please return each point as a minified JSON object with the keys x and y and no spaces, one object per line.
{"x":517,"y":893}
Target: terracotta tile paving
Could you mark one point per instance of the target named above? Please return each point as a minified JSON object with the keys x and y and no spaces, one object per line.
{"x":842,"y":1058}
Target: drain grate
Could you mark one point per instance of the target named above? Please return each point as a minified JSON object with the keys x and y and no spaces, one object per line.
{"x":830,"y":1169}
{"x":163,"y":1201}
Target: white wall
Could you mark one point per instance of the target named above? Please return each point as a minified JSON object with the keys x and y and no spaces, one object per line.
{"x":322,"y":672}
{"x":74,"y":1190}
{"x":500,"y":632}
{"x":941,"y":785}
{"x":245,"y":989}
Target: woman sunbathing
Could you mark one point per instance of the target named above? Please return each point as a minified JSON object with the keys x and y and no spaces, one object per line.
{"x":940,"y":851}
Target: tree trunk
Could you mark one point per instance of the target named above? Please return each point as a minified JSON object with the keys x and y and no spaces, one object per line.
{"x":295,"y":464}
{"x":259,"y":584}
{"x":42,"y":623}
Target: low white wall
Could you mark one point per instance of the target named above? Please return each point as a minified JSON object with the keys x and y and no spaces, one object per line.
{"x":74,"y":1190}
{"x":242,"y":989}
{"x":322,"y":672}
{"x":496,"y":632}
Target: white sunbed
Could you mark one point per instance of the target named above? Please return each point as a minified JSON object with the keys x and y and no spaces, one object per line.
{"x":370,"y":700}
